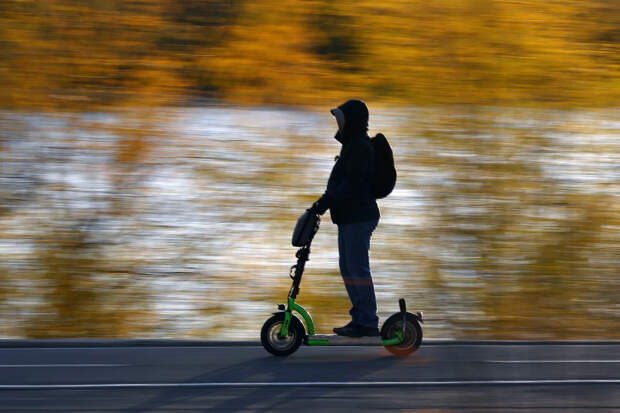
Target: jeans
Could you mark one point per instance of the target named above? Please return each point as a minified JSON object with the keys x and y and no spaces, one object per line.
{"x":353,"y":247}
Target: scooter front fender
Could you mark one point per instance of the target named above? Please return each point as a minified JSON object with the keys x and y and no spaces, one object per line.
{"x":293,"y":306}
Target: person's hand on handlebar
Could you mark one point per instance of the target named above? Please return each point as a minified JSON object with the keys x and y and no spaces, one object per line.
{"x":320,"y":206}
{"x":314,"y":209}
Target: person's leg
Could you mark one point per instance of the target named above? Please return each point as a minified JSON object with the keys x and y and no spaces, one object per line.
{"x":358,"y":279}
{"x":344,"y":271}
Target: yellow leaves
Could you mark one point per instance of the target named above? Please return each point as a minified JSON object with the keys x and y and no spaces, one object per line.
{"x":308,"y":52}
{"x":267,"y":59}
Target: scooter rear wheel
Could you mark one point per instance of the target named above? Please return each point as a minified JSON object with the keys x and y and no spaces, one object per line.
{"x":412,"y":338}
{"x":281,"y":346}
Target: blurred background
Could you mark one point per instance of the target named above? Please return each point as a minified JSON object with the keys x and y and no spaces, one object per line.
{"x":155,"y":155}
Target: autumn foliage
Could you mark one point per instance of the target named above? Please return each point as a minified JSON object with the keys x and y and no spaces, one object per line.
{"x":60,"y":54}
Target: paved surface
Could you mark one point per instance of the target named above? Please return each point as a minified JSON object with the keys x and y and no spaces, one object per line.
{"x":440,"y":377}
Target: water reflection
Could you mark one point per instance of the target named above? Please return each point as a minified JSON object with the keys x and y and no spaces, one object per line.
{"x":505,"y":223}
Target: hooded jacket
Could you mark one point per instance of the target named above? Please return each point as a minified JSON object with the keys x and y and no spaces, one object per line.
{"x":349,"y":195}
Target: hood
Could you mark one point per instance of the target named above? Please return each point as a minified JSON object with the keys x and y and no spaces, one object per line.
{"x":356,"y":120}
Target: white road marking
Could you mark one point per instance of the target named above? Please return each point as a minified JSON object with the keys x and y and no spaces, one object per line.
{"x":305,"y":384}
{"x":551,"y":361}
{"x":62,"y":365}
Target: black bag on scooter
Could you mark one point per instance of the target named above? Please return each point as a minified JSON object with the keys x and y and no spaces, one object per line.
{"x":307,"y":226}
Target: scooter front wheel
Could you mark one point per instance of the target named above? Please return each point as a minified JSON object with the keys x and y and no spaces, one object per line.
{"x":412,"y":338}
{"x":277,"y":345}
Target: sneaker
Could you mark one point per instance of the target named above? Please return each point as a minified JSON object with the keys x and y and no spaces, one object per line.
{"x":337,"y":330}
{"x":354,"y":330}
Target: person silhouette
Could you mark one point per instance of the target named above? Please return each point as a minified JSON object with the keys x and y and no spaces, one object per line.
{"x":353,"y":208}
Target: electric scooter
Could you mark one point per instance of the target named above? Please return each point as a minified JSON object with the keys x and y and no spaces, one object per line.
{"x":283,"y":333}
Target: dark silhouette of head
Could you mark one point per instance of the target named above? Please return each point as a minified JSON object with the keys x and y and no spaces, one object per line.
{"x":355,"y":120}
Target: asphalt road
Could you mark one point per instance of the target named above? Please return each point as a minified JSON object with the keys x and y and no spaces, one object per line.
{"x":440,"y":377}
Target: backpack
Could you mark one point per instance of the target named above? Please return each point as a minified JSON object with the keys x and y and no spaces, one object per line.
{"x":385,"y":173}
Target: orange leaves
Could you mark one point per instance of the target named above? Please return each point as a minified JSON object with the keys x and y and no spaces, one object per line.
{"x":61,"y":54}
